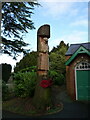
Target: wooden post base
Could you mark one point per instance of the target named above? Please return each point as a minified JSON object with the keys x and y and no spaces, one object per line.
{"x":42,"y":98}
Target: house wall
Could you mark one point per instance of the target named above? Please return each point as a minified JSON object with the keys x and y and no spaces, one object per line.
{"x":67,"y":57}
{"x":70,"y":74}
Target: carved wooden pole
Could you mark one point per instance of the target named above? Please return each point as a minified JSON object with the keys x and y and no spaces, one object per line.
{"x":42,"y":97}
{"x":43,"y":35}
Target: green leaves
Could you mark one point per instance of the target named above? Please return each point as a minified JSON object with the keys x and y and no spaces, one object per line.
{"x":57,"y":78}
{"x":57,"y":63}
{"x":6,"y":71}
{"x":27,"y":63}
{"x":25,"y":84}
{"x":12,"y":47}
{"x":16,"y":20}
{"x":57,"y":58}
{"x":5,"y":91}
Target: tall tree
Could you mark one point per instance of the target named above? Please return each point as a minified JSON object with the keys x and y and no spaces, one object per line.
{"x":16,"y":20}
{"x":57,"y":58}
{"x":28,"y":60}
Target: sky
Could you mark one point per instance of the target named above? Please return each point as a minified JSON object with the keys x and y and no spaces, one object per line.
{"x":68,"y":22}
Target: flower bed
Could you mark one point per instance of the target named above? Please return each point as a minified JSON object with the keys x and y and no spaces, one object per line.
{"x":46,"y":83}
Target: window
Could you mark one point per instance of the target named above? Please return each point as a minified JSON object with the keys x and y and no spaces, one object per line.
{"x":83,"y":66}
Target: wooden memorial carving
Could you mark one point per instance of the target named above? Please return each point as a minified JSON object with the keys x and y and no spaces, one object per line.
{"x":42,"y":96}
{"x":43,"y":35}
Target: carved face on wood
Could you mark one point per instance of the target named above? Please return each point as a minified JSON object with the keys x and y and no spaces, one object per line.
{"x":45,"y":40}
{"x":43,"y":45}
{"x":43,"y":35}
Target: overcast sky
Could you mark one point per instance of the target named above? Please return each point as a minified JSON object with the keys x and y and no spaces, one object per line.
{"x":68,"y":22}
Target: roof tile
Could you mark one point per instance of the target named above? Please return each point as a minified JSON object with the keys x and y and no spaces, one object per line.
{"x":73,"y":48}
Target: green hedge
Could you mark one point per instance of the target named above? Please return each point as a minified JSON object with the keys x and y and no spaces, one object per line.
{"x":25,"y":83}
{"x":6,"y":71}
{"x":57,"y":78}
{"x":29,"y":69}
{"x":5,"y":91}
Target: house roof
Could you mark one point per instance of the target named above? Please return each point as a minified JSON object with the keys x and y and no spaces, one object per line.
{"x":74,"y":47}
{"x":81,"y":49}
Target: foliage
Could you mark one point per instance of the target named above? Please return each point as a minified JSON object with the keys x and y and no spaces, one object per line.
{"x":29,"y":69}
{"x":57,"y":63}
{"x":27,"y":62}
{"x":62,"y":44}
{"x":57,"y":60}
{"x":5,"y":91}
{"x":25,"y":83}
{"x":6,"y":71}
{"x":16,"y":20}
{"x":58,"y":79}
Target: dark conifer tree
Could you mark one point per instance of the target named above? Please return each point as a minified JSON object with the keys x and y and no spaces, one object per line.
{"x":16,"y":20}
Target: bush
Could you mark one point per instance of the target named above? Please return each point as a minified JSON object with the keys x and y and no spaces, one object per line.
{"x":29,"y":69}
{"x":6,"y":71}
{"x":5,"y":91}
{"x":57,"y":78}
{"x":25,"y":84}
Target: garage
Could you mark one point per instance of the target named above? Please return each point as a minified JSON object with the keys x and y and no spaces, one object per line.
{"x":78,"y":71}
{"x":82,"y":78}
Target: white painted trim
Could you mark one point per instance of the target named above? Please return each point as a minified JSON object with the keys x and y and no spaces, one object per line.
{"x":76,"y":84}
{"x":79,"y":65}
{"x":83,"y":69}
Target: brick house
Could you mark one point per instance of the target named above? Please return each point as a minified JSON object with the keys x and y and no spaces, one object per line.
{"x":78,"y":71}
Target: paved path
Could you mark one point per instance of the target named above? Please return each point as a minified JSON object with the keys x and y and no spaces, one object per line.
{"x":70,"y":110}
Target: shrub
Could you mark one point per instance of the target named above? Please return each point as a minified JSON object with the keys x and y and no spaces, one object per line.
{"x":29,"y":69}
{"x":5,"y":91}
{"x":25,"y":84}
{"x":6,"y":71}
{"x":53,"y":74}
{"x":57,"y":78}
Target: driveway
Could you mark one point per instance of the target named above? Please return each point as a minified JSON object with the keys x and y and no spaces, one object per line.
{"x":71,"y":108}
